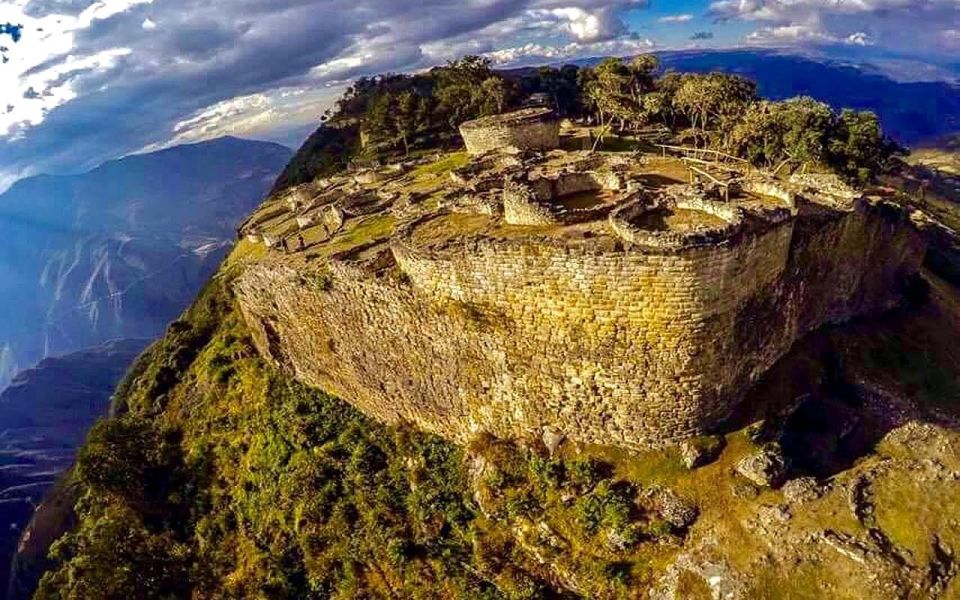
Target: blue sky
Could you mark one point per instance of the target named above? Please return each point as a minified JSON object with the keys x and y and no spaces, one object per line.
{"x":89,"y":80}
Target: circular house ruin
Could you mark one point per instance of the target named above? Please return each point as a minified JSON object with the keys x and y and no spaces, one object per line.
{"x":675,"y":223}
{"x":527,"y":129}
{"x":583,"y":190}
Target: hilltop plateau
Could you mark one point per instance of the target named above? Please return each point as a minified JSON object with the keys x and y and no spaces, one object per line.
{"x":662,"y":339}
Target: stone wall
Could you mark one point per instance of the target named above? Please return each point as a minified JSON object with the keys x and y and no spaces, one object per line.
{"x":531,"y":200}
{"x":528,"y":129}
{"x":620,"y":222}
{"x":613,"y":346}
{"x":522,"y":207}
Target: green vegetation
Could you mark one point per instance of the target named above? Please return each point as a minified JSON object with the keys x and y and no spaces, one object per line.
{"x":383,"y":116}
{"x":442,"y":166}
{"x":220,"y":477}
{"x":224,"y":479}
{"x":807,"y":132}
{"x":396,"y":115}
{"x":723,"y":112}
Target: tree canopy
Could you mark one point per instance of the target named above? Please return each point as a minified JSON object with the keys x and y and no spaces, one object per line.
{"x":398,"y":114}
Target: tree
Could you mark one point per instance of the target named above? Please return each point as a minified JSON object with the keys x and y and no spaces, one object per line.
{"x":660,"y":104}
{"x":714,"y":101}
{"x":114,"y":556}
{"x":123,"y":458}
{"x":809,"y":133}
{"x":495,"y":94}
{"x":468,"y":88}
{"x":858,"y":148}
{"x":643,"y":68}
{"x":560,"y":84}
{"x":409,"y":117}
{"x":797,"y":129}
{"x":608,"y":88}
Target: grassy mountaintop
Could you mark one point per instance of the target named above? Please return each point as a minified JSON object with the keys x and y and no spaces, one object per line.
{"x":230,"y":479}
{"x":223,"y":477}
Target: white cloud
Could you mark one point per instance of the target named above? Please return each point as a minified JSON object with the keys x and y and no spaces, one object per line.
{"x":538,"y":53}
{"x":787,"y":34}
{"x":896,"y":24}
{"x":859,"y":38}
{"x":584,"y":26}
{"x":253,"y":116}
{"x":150,"y":73}
{"x":676,"y":18}
{"x":30,"y":84}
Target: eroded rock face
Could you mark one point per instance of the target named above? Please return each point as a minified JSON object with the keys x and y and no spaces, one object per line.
{"x":802,"y":490}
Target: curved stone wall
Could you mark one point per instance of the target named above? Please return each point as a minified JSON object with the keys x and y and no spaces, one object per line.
{"x":628,"y":347}
{"x":621,"y":221}
{"x":528,"y":129}
{"x":535,"y":200}
{"x":521,"y":206}
{"x":772,"y":188}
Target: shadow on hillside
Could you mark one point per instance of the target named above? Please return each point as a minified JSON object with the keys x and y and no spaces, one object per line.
{"x":841,"y":389}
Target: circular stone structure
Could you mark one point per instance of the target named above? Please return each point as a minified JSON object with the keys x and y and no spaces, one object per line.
{"x":675,"y":224}
{"x":636,"y":316}
{"x":527,"y":129}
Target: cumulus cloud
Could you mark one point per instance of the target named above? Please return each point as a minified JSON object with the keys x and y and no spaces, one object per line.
{"x":539,"y":53}
{"x":113,"y":76}
{"x":950,"y":38}
{"x":805,"y":33}
{"x":896,"y":24}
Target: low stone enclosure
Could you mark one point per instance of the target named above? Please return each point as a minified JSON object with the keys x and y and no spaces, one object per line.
{"x":637,"y":321}
{"x":527,"y":129}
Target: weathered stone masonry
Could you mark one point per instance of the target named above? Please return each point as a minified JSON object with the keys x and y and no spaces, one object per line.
{"x":527,"y":129}
{"x":589,"y":300}
{"x":607,"y":344}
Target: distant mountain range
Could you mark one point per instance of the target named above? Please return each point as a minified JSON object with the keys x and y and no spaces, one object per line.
{"x":913,"y":112}
{"x":119,"y":251}
{"x":44,"y":416}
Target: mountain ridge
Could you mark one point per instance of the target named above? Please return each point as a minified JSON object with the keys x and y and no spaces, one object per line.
{"x":119,"y":250}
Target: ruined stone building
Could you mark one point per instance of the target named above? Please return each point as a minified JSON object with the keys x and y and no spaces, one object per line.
{"x":602,"y":296}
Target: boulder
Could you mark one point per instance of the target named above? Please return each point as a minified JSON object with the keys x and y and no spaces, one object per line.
{"x":552,"y":439}
{"x":672,"y":508}
{"x":766,"y":468}
{"x":801,"y":490}
{"x":700,"y":451}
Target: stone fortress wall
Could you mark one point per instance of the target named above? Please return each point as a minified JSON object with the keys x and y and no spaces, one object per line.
{"x":638,"y":339}
{"x":527,"y":129}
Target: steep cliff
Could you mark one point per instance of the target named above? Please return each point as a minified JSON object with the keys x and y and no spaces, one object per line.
{"x":229,"y":479}
{"x":225,"y":476}
{"x":45,"y":414}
